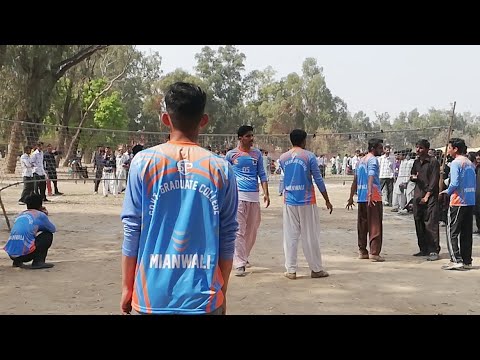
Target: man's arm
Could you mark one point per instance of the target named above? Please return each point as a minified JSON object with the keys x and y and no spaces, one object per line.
{"x":454,"y":178}
{"x":434,"y":179}
{"x":132,"y":220}
{"x":353,"y":190}
{"x":372,"y":169}
{"x":263,"y":179}
{"x":228,"y":230}
{"x":317,"y":177}
{"x":46,"y":224}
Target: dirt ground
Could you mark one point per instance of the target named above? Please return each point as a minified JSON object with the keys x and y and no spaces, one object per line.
{"x":86,"y":253}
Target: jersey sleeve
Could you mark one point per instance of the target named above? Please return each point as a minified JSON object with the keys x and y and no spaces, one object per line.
{"x":132,"y":211}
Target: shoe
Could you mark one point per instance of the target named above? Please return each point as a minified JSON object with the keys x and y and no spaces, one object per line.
{"x":394,"y":210}
{"x":291,"y":276}
{"x":453,"y":266}
{"x":420,"y":253}
{"x":21,"y":203}
{"x":377,"y":258}
{"x":240,"y":271}
{"x":319,"y":274}
{"x":95,"y":192}
{"x":468,"y":266}
{"x":433,"y":256}
{"x":17,"y":263}
{"x":363,"y":256}
{"x":58,"y":193}
{"x":41,"y":265}
{"x":248,"y":265}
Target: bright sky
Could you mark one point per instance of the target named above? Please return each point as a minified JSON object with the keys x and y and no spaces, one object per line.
{"x":381,"y":78}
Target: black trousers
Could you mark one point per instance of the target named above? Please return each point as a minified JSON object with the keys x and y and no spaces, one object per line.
{"x":28,"y":188}
{"x":388,"y":185}
{"x":460,"y":225}
{"x":42,"y":244}
{"x":426,"y":225}
{"x":322,"y":170}
{"x":52,"y":175}
{"x":40,"y":185}
{"x":98,"y":178}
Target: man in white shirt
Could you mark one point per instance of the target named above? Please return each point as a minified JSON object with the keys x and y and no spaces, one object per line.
{"x":40,"y":184}
{"x":27,"y":174}
{"x":354,"y":160}
{"x":387,"y":169}
{"x":322,"y":164}
{"x":399,"y":197}
{"x":345,"y":164}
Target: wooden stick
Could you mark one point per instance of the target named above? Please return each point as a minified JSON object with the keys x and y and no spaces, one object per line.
{"x":5,"y":213}
{"x":444,"y":157}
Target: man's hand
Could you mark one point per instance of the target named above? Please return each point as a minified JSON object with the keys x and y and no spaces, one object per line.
{"x":266,"y":200}
{"x":370,"y":201}
{"x":329,"y":206}
{"x":350,"y":204}
{"x":424,"y":200}
{"x":126,"y":302}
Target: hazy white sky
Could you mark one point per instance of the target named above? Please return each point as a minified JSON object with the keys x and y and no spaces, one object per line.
{"x":381,"y":78}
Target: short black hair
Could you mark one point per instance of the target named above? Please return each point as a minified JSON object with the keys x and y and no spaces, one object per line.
{"x":136,"y":149}
{"x":459,"y":144}
{"x":423,"y":143}
{"x":471,"y":156}
{"x":185,"y":104}
{"x":27,"y":148}
{"x":297,"y":137}
{"x":373,"y":143}
{"x":243,"y":130}
{"x":34,"y":201}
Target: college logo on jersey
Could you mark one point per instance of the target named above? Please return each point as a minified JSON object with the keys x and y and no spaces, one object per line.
{"x":254,"y":161}
{"x":235,"y":161}
{"x":184,"y":166}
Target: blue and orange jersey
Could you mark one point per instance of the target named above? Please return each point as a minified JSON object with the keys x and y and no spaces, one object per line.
{"x":248,"y":168}
{"x":22,"y":237}
{"x":179,"y":218}
{"x":368,"y":166}
{"x":463,"y":182}
{"x":299,"y":166}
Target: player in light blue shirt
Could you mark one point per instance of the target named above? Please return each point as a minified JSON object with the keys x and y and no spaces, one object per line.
{"x":179,"y":218}
{"x":461,"y":189}
{"x":300,"y":213}
{"x":247,"y":163}
{"x":31,"y":235}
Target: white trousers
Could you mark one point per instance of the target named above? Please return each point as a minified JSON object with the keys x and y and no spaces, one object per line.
{"x":121,"y":179}
{"x":109,"y":183}
{"x":301,"y":223}
{"x":399,"y":199}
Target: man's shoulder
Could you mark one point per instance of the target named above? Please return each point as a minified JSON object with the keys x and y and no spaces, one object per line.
{"x":256,"y":151}
{"x":309,"y":154}
{"x":284,"y":156}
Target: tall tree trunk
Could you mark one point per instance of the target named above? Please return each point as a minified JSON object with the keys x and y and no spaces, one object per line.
{"x":76,"y":137}
{"x":62,"y":136}
{"x":16,"y":138}
{"x":68,"y":140}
